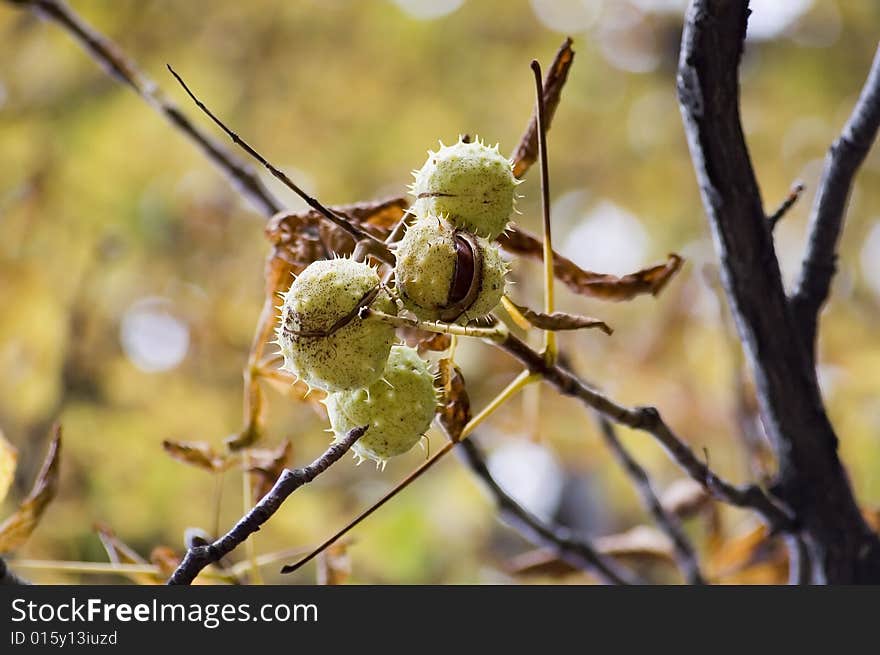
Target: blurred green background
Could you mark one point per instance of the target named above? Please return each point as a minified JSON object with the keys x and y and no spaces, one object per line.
{"x":131,"y":273}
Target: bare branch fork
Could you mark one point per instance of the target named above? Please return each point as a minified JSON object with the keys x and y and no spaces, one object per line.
{"x":777,"y":335}
{"x":648,"y":419}
{"x":576,"y":552}
{"x":829,"y":207}
{"x":198,"y":557}
{"x":790,"y":401}
{"x":685,"y":555}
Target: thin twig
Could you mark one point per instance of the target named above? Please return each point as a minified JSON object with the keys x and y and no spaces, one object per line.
{"x":648,"y":419}
{"x":685,"y":556}
{"x":547,"y":250}
{"x":577,"y":552}
{"x":829,"y":207}
{"x":403,"y":484}
{"x":793,"y":196}
{"x":359,"y":235}
{"x":108,"y":568}
{"x":111,"y":57}
{"x":199,"y":557}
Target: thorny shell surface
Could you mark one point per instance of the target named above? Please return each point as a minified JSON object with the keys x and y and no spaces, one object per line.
{"x":398,"y":408}
{"x":469,"y":183}
{"x":322,"y":296}
{"x":426,"y":272}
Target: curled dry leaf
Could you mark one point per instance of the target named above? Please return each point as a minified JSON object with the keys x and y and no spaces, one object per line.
{"x":334,"y":564}
{"x":8,"y":462}
{"x":165,"y":559}
{"x":539,"y":562}
{"x":594,"y":285}
{"x":121,"y":553}
{"x":526,"y":152}
{"x":435,"y":342}
{"x":641,"y":543}
{"x":303,"y":237}
{"x":266,"y":466}
{"x":196,"y":453}
{"x":558,"y":321}
{"x":425,"y":341}
{"x":117,"y":551}
{"x":16,"y":529}
{"x":253,"y":430}
{"x":753,"y":557}
{"x":685,"y":498}
{"x":455,"y":409}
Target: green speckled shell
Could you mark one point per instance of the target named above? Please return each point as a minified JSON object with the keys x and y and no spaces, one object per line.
{"x":398,"y":408}
{"x":355,"y":355}
{"x":470,"y":184}
{"x":426,"y":265}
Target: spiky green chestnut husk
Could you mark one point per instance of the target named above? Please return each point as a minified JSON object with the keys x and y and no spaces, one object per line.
{"x":398,"y":408}
{"x":445,"y":274}
{"x":327,"y":294}
{"x":469,"y":183}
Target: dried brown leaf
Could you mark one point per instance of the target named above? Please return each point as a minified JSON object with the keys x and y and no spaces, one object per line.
{"x":455,"y":410}
{"x":253,"y":431}
{"x":8,"y":462}
{"x":641,"y":543}
{"x":740,"y":552}
{"x":526,"y":152}
{"x":165,"y":559}
{"x":303,"y":237}
{"x":558,"y":321}
{"x":539,"y":562}
{"x":434,"y":342}
{"x":16,"y":529}
{"x":424,"y":341}
{"x":241,"y":440}
{"x":296,"y":241}
{"x":751,"y":558}
{"x":121,"y":553}
{"x":266,"y":466}
{"x":685,"y":498}
{"x":334,"y":564}
{"x":117,"y":551}
{"x":586,"y":283}
{"x":196,"y":453}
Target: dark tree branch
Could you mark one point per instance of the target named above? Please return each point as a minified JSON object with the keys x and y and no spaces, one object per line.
{"x":198,"y":557}
{"x":685,"y":556}
{"x":572,"y":550}
{"x":829,"y":207}
{"x":108,"y":54}
{"x":812,"y":481}
{"x":648,"y":419}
